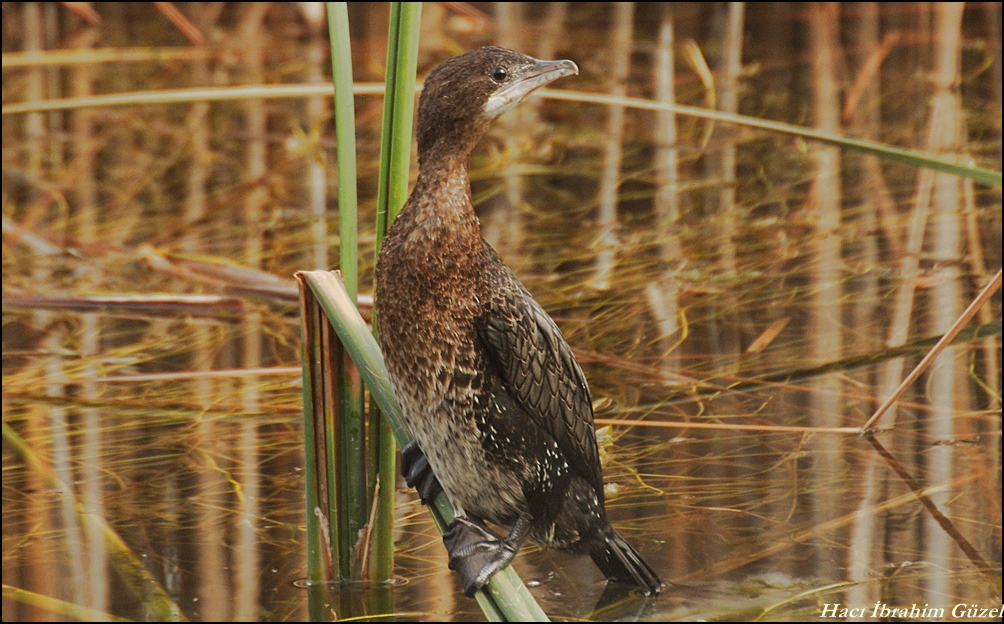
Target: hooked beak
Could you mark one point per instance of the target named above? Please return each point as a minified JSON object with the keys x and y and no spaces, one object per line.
{"x":532,"y":78}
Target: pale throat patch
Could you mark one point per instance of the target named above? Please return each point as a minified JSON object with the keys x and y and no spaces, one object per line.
{"x":511,"y":95}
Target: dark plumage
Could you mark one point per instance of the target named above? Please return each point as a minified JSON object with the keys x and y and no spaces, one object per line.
{"x":489,"y":387}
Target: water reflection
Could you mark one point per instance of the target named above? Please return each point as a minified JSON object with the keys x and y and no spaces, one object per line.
{"x":162,"y":456}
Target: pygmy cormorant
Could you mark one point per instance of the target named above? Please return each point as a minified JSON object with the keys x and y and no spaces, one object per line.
{"x":489,"y":388}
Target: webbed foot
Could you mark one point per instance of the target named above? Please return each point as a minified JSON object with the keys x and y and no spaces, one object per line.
{"x":476,"y":553}
{"x":418,"y":473}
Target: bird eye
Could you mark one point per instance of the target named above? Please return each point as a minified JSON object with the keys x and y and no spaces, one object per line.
{"x":499,"y":74}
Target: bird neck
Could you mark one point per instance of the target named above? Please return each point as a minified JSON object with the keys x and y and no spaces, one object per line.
{"x":442,"y":140}
{"x":440,"y":209}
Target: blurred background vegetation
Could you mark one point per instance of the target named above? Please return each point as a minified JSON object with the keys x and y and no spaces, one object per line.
{"x":740,"y":300}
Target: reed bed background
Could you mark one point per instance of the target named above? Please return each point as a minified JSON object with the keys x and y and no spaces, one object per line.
{"x":741,"y":300}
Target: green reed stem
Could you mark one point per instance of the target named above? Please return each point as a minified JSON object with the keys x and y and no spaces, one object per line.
{"x":912,"y":157}
{"x":348,"y":440}
{"x":345,"y":148}
{"x":398,"y":113}
{"x":392,"y":191}
{"x":241,"y":93}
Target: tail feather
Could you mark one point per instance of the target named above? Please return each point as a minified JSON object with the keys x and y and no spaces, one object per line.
{"x":621,"y":563}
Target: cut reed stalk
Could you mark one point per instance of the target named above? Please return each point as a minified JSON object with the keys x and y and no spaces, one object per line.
{"x":320,"y":556}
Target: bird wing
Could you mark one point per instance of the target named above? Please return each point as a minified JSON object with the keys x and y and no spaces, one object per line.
{"x":540,"y":372}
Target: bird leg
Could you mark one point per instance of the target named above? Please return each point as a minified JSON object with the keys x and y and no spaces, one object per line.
{"x":476,"y":553}
{"x":418,"y":473}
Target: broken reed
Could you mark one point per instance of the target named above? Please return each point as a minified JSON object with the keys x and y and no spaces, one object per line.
{"x":334,"y":444}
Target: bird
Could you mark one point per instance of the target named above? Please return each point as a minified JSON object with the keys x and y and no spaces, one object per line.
{"x":498,"y":407}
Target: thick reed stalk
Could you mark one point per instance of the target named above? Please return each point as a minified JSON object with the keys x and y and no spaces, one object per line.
{"x":663,"y":296}
{"x":503,"y":227}
{"x":620,"y":52}
{"x":345,"y":147}
{"x":85,"y":162}
{"x":350,"y":481}
{"x":395,"y":161}
{"x":48,"y":421}
{"x":398,"y":113}
{"x":317,"y":185}
{"x":826,"y":325}
{"x":947,"y":385}
{"x":728,"y":101}
{"x":866,"y":531}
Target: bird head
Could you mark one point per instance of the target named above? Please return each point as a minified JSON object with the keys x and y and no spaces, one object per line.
{"x":465,"y":93}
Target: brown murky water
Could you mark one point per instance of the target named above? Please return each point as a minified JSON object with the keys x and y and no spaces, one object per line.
{"x":702,"y":272}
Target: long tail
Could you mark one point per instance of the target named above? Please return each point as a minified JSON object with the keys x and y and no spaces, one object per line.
{"x":621,"y":563}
